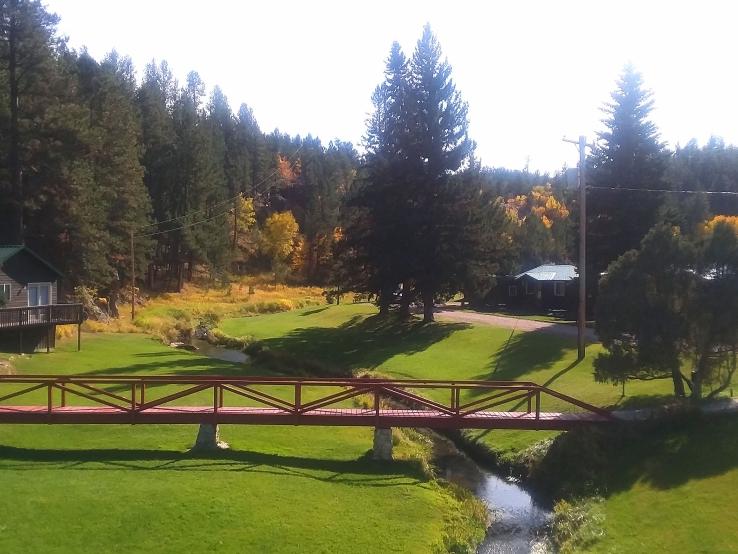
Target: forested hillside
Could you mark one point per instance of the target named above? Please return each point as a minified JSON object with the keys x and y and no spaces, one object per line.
{"x":102,"y":159}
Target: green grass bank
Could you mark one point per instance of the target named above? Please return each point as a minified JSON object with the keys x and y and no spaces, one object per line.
{"x":666,"y":488}
{"x":78,"y":489}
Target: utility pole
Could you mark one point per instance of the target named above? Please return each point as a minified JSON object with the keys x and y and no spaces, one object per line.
{"x":133,"y":280}
{"x":582,"y":263}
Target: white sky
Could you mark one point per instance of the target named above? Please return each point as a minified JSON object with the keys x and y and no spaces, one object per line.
{"x":532,"y":72}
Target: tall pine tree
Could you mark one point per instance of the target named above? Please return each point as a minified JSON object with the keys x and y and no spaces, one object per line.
{"x":629,"y":156}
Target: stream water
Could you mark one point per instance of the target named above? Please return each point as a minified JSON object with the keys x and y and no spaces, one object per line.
{"x":219,"y":352}
{"x":519,"y":523}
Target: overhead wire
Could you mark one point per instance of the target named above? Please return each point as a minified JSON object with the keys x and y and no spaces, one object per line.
{"x":222,"y":202}
{"x":672,"y":191}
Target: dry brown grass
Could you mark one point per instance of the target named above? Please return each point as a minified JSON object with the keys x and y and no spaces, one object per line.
{"x":172,"y":315}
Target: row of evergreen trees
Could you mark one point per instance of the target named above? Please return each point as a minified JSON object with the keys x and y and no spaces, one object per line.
{"x":94,"y":157}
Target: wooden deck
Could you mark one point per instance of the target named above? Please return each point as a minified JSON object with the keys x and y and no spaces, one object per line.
{"x":35,"y":316}
{"x":322,"y":417}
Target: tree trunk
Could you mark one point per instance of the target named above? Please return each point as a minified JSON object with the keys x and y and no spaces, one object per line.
{"x":385,"y":299}
{"x":676,"y":376}
{"x":180,"y":276}
{"x":113,"y":301}
{"x":405,"y":301}
{"x":235,"y":228}
{"x":428,"y":316}
{"x":697,"y":374}
{"x":696,"y":385}
{"x":16,"y":180}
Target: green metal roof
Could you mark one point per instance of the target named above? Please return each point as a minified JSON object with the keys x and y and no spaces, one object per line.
{"x":551,"y":272}
{"x":9,"y":250}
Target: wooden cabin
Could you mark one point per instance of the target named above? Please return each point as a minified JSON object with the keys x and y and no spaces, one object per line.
{"x":543,"y":289}
{"x":29,"y":301}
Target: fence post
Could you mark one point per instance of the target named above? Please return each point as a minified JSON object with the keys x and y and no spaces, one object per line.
{"x":298,"y":397}
{"x":376,"y":404}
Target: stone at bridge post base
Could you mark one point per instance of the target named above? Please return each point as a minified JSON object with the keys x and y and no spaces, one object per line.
{"x":208,"y":438}
{"x":382,"y":444}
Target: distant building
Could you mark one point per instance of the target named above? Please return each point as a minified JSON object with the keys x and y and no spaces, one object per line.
{"x":549,"y":287}
{"x":29,"y":303}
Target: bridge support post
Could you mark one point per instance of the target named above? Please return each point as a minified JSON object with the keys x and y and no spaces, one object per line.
{"x":208,"y":438}
{"x":382,"y":444}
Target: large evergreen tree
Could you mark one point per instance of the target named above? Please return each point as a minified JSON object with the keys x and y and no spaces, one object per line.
{"x":417,"y":226}
{"x":440,"y":146}
{"x":629,"y":158}
{"x":109,"y":90}
{"x":378,"y":234}
{"x":28,"y":44}
{"x":200,"y":182}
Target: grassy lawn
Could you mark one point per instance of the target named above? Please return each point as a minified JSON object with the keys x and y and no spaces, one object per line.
{"x":280,"y":489}
{"x":348,"y":337}
{"x":669,"y":490}
{"x":673,"y":491}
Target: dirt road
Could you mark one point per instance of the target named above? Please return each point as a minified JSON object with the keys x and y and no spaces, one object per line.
{"x":519,"y":324}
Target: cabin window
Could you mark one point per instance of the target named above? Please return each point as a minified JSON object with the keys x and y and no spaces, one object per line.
{"x":4,"y":294}
{"x":39,"y":294}
{"x":559,"y":289}
{"x":512,"y":290}
{"x":530,"y":288}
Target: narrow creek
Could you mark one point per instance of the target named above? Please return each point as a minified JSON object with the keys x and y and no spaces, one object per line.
{"x":204,"y":348}
{"x":519,"y":523}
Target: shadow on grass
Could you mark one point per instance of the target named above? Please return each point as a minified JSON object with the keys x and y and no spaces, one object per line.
{"x":524,"y":352}
{"x":315,"y":311}
{"x":361,"y":342}
{"x":158,"y":363}
{"x":662,"y":454}
{"x":643,"y":401}
{"x":364,"y":471}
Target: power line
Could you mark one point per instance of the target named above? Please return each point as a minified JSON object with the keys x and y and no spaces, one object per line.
{"x":184,"y":226}
{"x":228,"y":200}
{"x":716,"y":192}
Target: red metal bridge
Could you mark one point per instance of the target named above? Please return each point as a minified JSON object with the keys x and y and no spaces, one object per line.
{"x":380,"y":403}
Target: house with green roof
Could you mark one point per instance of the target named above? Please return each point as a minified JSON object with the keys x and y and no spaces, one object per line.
{"x":543,"y":289}
{"x":30,"y":308}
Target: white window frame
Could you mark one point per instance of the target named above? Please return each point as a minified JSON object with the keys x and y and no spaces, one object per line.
{"x":9,"y":295}
{"x":512,"y":290}
{"x":42,"y":283}
{"x":559,"y":289}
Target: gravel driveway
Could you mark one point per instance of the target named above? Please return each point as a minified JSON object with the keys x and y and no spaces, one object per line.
{"x":518,"y":324}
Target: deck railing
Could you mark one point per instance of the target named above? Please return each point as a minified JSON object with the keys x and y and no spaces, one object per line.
{"x":30,"y":316}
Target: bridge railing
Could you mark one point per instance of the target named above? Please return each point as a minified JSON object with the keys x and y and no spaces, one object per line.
{"x":289,"y":396}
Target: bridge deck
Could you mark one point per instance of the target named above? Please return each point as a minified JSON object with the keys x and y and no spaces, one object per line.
{"x":273,"y":416}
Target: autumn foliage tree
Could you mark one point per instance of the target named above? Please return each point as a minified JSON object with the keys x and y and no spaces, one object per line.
{"x":541,"y":226}
{"x":278,"y":240}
